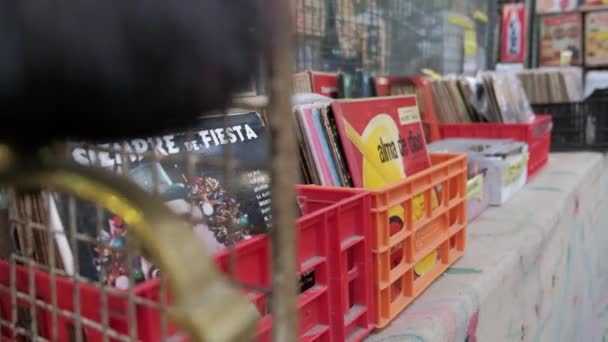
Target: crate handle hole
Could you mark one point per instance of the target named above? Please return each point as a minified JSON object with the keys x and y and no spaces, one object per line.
{"x":396,"y":289}
{"x":395,"y":225}
{"x":397,"y":254}
{"x":351,"y":294}
{"x":350,"y":260}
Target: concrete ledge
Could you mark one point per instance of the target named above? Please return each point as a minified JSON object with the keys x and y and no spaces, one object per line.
{"x":536,"y":269}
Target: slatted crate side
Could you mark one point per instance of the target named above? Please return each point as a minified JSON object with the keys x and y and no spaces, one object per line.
{"x":347,"y":225}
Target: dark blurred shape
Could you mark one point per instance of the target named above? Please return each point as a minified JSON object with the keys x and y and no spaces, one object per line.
{"x":355,"y":85}
{"x":105,"y":70}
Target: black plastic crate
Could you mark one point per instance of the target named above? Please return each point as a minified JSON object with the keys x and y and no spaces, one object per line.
{"x":569,"y":125}
{"x":598,"y":120}
{"x":578,"y":125}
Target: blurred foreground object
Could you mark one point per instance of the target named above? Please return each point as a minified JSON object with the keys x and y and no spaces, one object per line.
{"x":99,"y":70}
{"x":110,"y":70}
{"x":205,"y":304}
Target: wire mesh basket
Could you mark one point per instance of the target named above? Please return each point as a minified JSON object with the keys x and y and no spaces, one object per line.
{"x":83,"y":247}
{"x":75,"y":271}
{"x":389,"y":37}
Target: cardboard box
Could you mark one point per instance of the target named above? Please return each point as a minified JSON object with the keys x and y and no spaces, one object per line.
{"x":478,"y":188}
{"x":504,"y":161}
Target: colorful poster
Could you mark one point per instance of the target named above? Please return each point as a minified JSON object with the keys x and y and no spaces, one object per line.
{"x":514,"y":31}
{"x":559,"y":35}
{"x":556,"y":6}
{"x":596,"y":39}
{"x":309,"y":17}
{"x":594,"y":3}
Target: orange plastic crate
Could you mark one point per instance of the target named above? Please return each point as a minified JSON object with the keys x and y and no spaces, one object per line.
{"x":397,"y":253}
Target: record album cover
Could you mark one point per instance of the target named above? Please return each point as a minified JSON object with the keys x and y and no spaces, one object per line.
{"x":312,"y":130}
{"x":324,"y":83}
{"x":382,"y":139}
{"x":223,"y":210}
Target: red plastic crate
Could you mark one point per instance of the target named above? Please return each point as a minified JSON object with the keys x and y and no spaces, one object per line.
{"x":349,"y":228}
{"x":536,"y":134}
{"x":41,"y":291}
{"x":252,"y":268}
{"x":397,"y":251}
{"x":333,"y":245}
{"x":333,"y":256}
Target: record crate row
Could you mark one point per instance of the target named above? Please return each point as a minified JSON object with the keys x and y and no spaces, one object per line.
{"x":578,"y":125}
{"x":536,"y":134}
{"x":363,"y":256}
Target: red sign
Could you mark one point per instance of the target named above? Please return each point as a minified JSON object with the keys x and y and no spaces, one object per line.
{"x":514,"y":32}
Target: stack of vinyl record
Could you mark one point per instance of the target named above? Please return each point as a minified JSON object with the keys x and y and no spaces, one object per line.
{"x":489,"y":97}
{"x":548,"y":86}
{"x":371,"y":142}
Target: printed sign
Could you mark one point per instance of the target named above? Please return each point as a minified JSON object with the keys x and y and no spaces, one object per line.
{"x":514,"y":32}
{"x":596,"y":39}
{"x":475,"y":187}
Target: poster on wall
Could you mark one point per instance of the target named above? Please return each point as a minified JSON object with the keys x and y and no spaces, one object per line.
{"x":556,"y":6}
{"x":513,"y":33}
{"x":560,"y":35}
{"x":594,"y":3}
{"x":596,"y":39}
{"x":309,"y":17}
